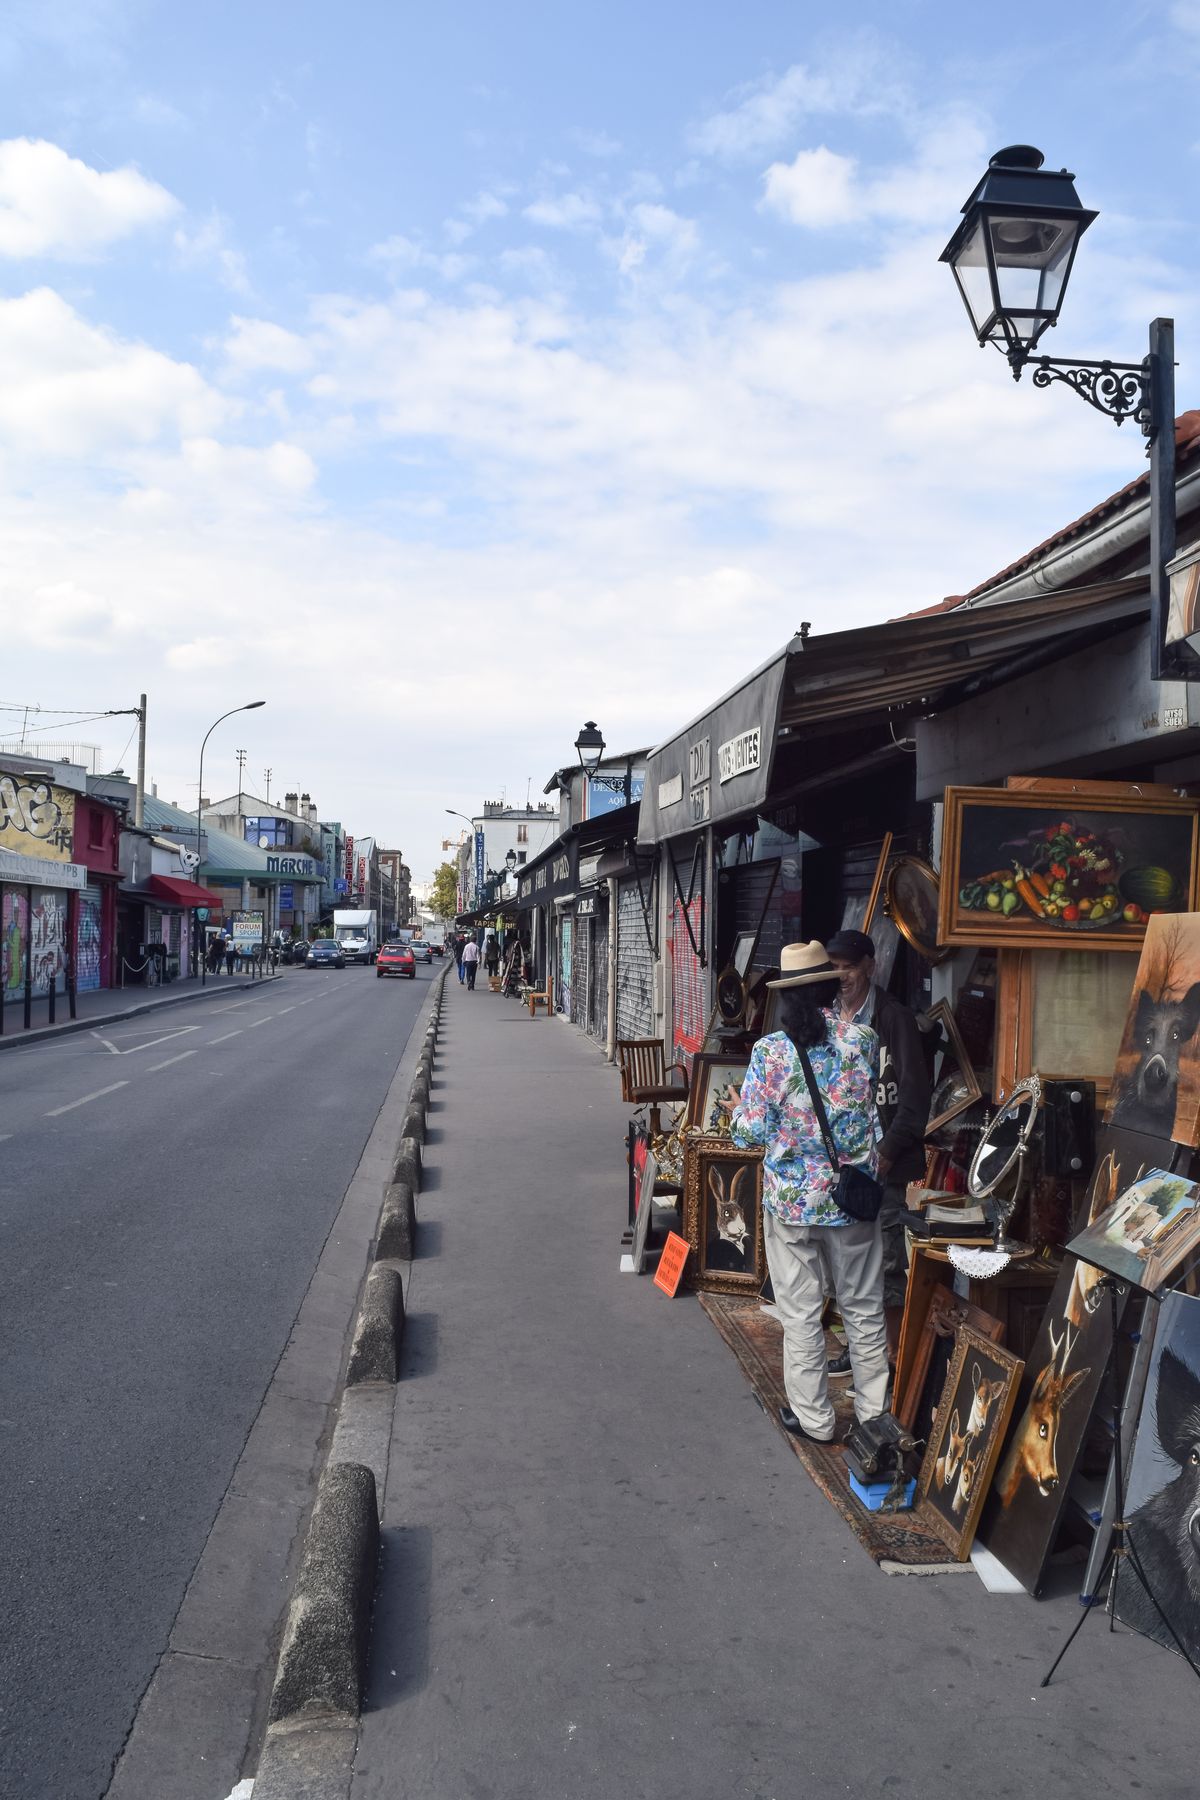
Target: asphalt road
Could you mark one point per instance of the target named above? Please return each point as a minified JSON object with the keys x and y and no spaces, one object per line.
{"x":166,"y":1186}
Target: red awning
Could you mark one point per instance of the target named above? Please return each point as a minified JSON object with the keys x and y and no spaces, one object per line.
{"x":182,"y":893}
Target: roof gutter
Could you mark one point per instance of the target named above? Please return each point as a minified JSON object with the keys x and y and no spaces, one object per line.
{"x":1083,"y":556}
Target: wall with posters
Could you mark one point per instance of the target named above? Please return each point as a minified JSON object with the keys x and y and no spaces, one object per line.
{"x":88,"y":933}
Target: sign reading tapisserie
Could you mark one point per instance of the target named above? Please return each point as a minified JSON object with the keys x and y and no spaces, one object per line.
{"x":740,"y":754}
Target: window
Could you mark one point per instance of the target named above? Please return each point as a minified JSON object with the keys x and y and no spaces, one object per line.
{"x":522,"y":834}
{"x":521,"y":855}
{"x":277,"y":833}
{"x":95,"y":828}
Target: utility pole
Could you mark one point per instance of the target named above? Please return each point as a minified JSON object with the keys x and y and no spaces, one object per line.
{"x":267,"y":774}
{"x":241,"y":756}
{"x":139,"y":798}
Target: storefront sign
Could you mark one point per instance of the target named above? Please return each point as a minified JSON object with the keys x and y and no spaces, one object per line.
{"x":699,"y":762}
{"x":670,"y":793}
{"x":669,"y":1273}
{"x":740,"y":754}
{"x":479,"y":866}
{"x":246,"y":930}
{"x":291,"y":865}
{"x":35,"y":871}
{"x":586,"y":907}
{"x":560,"y":869}
{"x":700,"y":804}
{"x":36,"y":819}
{"x":287,"y":897}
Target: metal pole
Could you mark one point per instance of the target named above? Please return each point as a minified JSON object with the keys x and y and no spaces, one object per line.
{"x":139,"y":799}
{"x":1165,"y":661}
{"x":28,"y":957}
{"x":199,"y":809}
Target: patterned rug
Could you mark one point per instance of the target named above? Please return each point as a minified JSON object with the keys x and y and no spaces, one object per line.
{"x":757,"y":1341}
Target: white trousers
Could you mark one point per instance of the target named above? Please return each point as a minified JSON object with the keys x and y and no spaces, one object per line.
{"x":805,"y":1261}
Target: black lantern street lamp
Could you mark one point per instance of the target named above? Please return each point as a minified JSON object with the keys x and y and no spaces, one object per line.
{"x":590,"y":745}
{"x":510,"y":860}
{"x":1012,"y":258}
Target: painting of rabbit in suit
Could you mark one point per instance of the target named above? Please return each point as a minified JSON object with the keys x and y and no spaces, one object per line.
{"x":723,"y":1215}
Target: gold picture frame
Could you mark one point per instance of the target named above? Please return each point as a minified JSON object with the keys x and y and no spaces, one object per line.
{"x":959,"y":1461}
{"x":722,"y":1215}
{"x":911,"y":901}
{"x":942,"y":1013}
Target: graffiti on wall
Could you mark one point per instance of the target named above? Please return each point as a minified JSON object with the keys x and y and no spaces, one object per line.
{"x":87,"y":942}
{"x":36,"y":819}
{"x":14,"y":928}
{"x":48,"y":939}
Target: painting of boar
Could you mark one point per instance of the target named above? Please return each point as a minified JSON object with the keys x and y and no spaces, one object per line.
{"x":1156,"y":1081}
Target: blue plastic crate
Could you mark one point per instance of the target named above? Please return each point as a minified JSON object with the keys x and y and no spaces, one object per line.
{"x":873,"y":1494}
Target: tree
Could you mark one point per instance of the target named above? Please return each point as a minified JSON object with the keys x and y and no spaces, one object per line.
{"x":444,"y":897}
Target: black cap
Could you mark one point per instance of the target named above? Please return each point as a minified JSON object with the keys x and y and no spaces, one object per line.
{"x":851,"y":946}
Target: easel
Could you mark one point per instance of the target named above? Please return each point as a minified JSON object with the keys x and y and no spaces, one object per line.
{"x":1111,"y":1547}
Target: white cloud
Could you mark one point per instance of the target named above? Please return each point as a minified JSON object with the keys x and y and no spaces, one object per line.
{"x":403,"y":254}
{"x":821,"y":187}
{"x":68,"y":388}
{"x":474,"y":213}
{"x":816,"y":188}
{"x":656,"y":229}
{"x":259,"y":344}
{"x":53,"y":205}
{"x":566,"y":212}
{"x":598,"y":143}
{"x":860,"y":79}
{"x":209,"y":246}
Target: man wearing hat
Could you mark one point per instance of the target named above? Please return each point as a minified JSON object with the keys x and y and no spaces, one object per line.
{"x":815,"y":1063}
{"x":902,"y":1099}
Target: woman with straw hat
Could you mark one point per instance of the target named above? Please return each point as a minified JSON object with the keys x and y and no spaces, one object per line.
{"x":812,"y":1245}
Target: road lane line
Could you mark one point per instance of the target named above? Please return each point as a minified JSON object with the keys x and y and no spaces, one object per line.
{"x":72,"y":1104}
{"x":262,"y":1021}
{"x":4,"y":1136}
{"x":284,"y":1009}
{"x":226,"y":1038}
{"x":169,"y":1061}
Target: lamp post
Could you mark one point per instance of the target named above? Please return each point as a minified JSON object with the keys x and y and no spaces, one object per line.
{"x":250,"y":706}
{"x":475,"y":856}
{"x":1012,"y":257}
{"x":589,"y":746}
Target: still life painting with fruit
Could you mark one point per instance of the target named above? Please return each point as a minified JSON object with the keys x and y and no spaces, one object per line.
{"x":1022,"y":872}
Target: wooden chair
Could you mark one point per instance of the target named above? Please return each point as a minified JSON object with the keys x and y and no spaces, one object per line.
{"x":544,"y":998}
{"x":645,"y":1077}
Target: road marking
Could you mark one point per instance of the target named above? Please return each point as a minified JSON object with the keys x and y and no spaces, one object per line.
{"x":163,"y":1038}
{"x":72,"y":1104}
{"x":233,"y":1004}
{"x":226,"y":1038}
{"x":262,"y":1021}
{"x":4,"y":1136}
{"x":169,"y":1061}
{"x":284,"y":1009}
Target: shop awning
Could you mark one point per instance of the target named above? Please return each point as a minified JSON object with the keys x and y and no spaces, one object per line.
{"x":719,"y":766}
{"x":181,"y":893}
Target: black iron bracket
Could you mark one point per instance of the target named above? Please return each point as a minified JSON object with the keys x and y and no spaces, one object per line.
{"x":1118,"y":390}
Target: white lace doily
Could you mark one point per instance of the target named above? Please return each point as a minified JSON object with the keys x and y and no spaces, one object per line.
{"x":979,"y":1264}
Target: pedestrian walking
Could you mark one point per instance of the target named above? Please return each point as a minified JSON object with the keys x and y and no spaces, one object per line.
{"x":491,"y":954}
{"x":812,"y":1245}
{"x":470,"y":961}
{"x":230,"y":955}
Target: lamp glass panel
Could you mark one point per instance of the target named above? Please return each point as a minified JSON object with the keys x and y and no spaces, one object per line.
{"x":1032,"y":258}
{"x":970,"y":265}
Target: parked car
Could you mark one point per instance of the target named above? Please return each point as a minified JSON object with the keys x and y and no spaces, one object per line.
{"x":438,"y":949}
{"x":296,"y":952}
{"x":396,"y":959}
{"x":421,"y":950}
{"x":325,"y":953}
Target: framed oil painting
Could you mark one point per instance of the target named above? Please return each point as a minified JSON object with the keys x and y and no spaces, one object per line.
{"x":1156,"y":1081}
{"x":911,"y":904}
{"x":1023,"y":869}
{"x":1162,"y":1498}
{"x":946,"y":1311}
{"x":953,"y":1083}
{"x":968,"y":1430}
{"x":722,"y":1214}
{"x":645,"y":1210}
{"x":1058,"y":1390}
{"x":1148,"y":1232}
{"x":712,"y":1077}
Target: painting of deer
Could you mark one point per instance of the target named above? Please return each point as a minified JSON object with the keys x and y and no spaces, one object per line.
{"x":1164,"y":1488}
{"x":968,"y":1430}
{"x":1033,"y":1453}
{"x":946,"y":1465}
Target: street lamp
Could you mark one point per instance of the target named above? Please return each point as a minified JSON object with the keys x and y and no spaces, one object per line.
{"x":590,"y":746}
{"x":510,"y":860}
{"x":250,"y":706}
{"x":1012,"y":257}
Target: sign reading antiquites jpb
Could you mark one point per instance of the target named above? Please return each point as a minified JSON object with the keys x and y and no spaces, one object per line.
{"x":740,"y":754}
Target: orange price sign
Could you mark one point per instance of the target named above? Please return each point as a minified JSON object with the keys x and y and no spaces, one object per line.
{"x":670,"y":1264}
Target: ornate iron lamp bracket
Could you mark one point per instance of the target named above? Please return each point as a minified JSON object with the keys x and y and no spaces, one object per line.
{"x":1118,"y":390}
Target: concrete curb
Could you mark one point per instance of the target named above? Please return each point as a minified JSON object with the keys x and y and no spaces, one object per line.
{"x":375,"y":1350}
{"x":397,"y":1238}
{"x":48,"y":1034}
{"x":408,"y":1164}
{"x":323,"y":1659}
{"x":414,"y":1121}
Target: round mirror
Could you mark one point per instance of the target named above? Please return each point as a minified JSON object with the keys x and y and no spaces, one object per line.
{"x":1003,"y":1146}
{"x":911,"y":902}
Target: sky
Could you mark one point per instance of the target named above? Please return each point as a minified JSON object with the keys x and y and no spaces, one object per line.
{"x":447,"y":376}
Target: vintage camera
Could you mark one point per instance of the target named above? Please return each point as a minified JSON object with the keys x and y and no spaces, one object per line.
{"x":875,"y":1448}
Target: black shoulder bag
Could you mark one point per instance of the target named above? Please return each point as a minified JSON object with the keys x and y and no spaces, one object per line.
{"x":858,"y":1194}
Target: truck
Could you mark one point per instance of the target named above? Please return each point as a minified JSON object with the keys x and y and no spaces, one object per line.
{"x":358,"y":935}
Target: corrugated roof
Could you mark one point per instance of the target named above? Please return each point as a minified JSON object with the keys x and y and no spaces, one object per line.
{"x":227,"y":855}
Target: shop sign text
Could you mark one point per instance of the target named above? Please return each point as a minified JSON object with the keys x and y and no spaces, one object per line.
{"x":700,"y":800}
{"x":670,"y":793}
{"x":740,"y":754}
{"x":699,"y":762}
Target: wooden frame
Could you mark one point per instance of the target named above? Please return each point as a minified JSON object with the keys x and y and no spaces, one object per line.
{"x":714,"y":1173}
{"x":919,"y":929}
{"x":1164,"y":856}
{"x":958,"y":1465}
{"x":1015,"y":980}
{"x":943,"y":1013}
{"x":705,"y":1065}
{"x":944,"y":1312}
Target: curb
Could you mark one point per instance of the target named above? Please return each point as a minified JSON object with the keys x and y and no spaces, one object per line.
{"x":45,"y":1034}
{"x":308,"y":1750}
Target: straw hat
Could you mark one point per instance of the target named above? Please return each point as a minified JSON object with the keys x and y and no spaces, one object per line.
{"x":801,"y":963}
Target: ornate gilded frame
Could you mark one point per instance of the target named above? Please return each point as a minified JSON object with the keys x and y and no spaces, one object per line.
{"x":699,"y":1152}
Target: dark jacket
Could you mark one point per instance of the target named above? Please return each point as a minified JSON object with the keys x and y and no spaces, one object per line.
{"x":903,"y":1093}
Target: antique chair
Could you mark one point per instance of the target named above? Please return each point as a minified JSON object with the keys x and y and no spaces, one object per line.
{"x":646,"y":1077}
{"x":543,"y":997}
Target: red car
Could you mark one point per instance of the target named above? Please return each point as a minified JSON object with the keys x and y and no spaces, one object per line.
{"x":396,"y":959}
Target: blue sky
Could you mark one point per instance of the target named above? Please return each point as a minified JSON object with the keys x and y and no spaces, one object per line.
{"x":453,"y":375}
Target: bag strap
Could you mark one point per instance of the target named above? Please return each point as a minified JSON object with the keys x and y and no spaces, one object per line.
{"x":814,"y":1093}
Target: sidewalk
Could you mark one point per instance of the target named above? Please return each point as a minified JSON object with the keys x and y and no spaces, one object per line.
{"x":108,"y":1006}
{"x":604,"y":1571}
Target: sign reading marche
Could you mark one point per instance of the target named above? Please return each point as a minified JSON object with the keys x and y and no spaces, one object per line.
{"x":669,"y":1272}
{"x":740,"y":754}
{"x":246,"y":930}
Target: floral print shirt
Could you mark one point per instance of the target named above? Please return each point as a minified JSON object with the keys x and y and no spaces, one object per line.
{"x":775,"y":1110}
